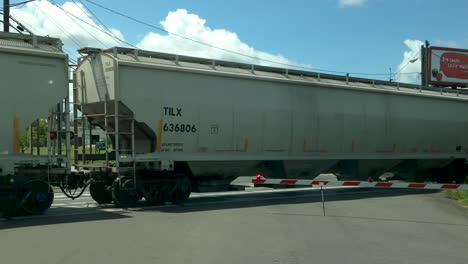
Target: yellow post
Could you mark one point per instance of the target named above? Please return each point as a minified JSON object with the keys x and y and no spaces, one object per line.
{"x":158,"y":139}
{"x":304,"y":146}
{"x":16,"y":139}
{"x":246,"y":144}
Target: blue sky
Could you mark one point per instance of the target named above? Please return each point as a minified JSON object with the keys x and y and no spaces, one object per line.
{"x":344,"y":35}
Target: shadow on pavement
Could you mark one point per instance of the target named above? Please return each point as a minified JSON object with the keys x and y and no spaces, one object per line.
{"x":373,"y":218}
{"x":199,"y":204}
{"x":213,"y":202}
{"x":92,"y":215}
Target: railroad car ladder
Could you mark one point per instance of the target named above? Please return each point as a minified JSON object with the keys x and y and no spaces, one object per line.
{"x":117,"y":134}
{"x":107,"y":115}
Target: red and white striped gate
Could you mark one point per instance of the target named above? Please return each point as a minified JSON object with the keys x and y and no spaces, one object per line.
{"x":410,"y":185}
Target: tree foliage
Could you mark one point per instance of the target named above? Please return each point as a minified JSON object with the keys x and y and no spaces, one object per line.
{"x":43,"y":133}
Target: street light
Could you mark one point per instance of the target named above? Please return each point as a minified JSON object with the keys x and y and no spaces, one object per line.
{"x":410,"y":61}
{"x":413,"y":61}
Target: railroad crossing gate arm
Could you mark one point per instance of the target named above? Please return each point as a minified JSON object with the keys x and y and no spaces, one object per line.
{"x":407,"y":185}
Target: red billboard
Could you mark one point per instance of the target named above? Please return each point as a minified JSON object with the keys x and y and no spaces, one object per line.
{"x":447,"y":66}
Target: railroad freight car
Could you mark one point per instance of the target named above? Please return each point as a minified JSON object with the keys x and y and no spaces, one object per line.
{"x":178,"y":123}
{"x":34,"y":82}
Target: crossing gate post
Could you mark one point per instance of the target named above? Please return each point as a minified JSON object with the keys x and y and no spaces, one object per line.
{"x":323,"y":200}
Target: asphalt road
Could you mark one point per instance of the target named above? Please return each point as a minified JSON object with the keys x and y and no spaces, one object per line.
{"x":255,"y":226}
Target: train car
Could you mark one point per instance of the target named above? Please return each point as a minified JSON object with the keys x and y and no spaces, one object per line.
{"x":33,"y":81}
{"x":176,"y":124}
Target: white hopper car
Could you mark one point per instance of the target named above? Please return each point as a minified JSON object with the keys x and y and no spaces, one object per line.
{"x":33,"y":85}
{"x":204,"y":122}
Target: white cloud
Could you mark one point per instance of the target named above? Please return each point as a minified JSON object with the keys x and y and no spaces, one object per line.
{"x":344,"y":3}
{"x":182,"y":23}
{"x":447,"y":43}
{"x":410,"y":66}
{"x":43,"y":18}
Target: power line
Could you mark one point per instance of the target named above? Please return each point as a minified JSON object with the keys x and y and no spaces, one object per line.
{"x":184,"y":37}
{"x":178,"y":35}
{"x":22,"y":23}
{"x":71,"y":58}
{"x":77,"y":43}
{"x":94,"y":37}
{"x":20,"y":5}
{"x":96,"y":17}
{"x":123,"y":41}
{"x":409,"y":61}
{"x":73,"y":61}
{"x":223,"y":49}
{"x":190,"y":39}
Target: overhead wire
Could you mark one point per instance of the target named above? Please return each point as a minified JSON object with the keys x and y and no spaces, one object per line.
{"x":15,"y":28}
{"x":21,"y":21}
{"x":71,"y":58}
{"x":110,"y":34}
{"x":77,"y":43}
{"x":21,"y":4}
{"x":190,"y":39}
{"x":409,"y":61}
{"x":227,"y":50}
{"x":84,"y":29}
{"x":97,"y":19}
{"x":98,"y":28}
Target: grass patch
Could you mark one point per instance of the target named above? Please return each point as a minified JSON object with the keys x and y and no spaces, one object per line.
{"x":459,"y":195}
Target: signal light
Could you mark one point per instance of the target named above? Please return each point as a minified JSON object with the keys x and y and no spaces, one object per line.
{"x":53,"y":135}
{"x":259,"y":176}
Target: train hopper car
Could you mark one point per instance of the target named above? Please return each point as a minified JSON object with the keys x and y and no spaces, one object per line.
{"x":33,"y":81}
{"x":176,"y":123}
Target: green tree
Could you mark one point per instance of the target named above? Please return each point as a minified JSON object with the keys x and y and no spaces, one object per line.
{"x":43,"y":133}
{"x":24,"y":140}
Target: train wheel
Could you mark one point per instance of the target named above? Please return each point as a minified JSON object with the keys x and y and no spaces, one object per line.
{"x":35,"y":197}
{"x":182,"y":190}
{"x":125,"y":194}
{"x":100,"y":193}
{"x":451,"y":174}
{"x":8,"y":209}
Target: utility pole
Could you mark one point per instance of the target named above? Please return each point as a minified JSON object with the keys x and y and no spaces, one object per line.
{"x":6,"y":15}
{"x":424,"y":54}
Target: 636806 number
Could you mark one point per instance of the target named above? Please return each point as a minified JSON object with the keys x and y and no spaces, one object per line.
{"x":183,"y":128}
